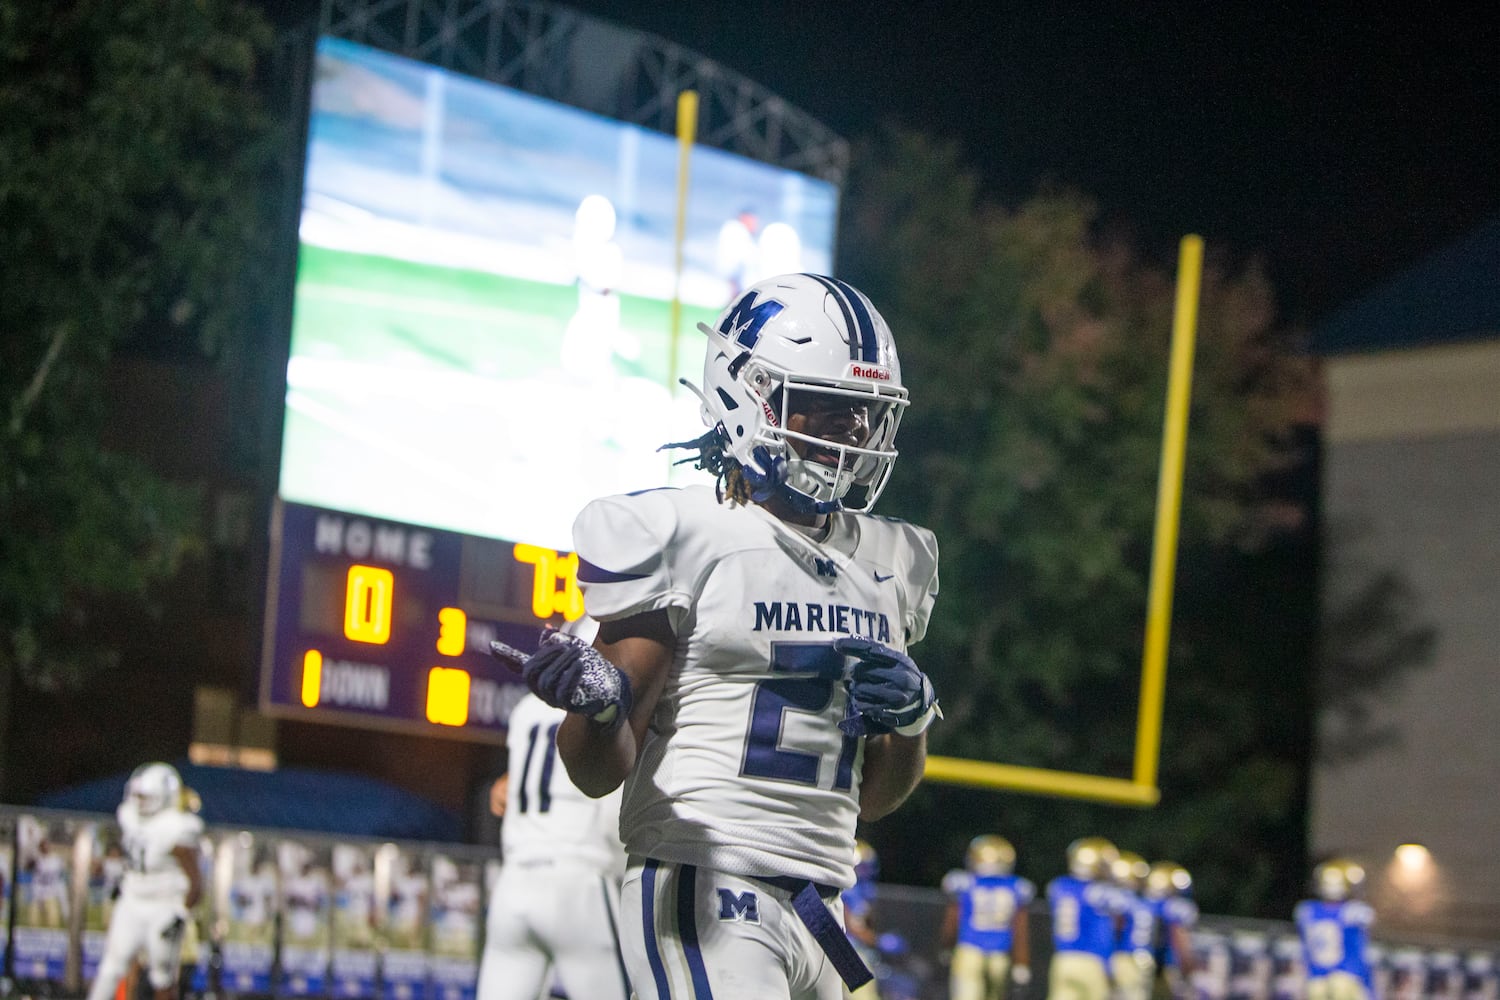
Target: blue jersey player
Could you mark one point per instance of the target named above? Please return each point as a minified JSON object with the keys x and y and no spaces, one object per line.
{"x":1167,"y":892}
{"x":1085,"y":905}
{"x":1132,"y":967}
{"x":1334,"y":929}
{"x":750,"y":684}
{"x":859,"y":921}
{"x":986,"y":922}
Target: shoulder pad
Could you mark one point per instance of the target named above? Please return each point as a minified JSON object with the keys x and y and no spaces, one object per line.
{"x":957,"y":881}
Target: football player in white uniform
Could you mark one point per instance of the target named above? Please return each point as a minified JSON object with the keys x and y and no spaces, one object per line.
{"x":555,"y":908}
{"x":750,"y":684}
{"x":47,"y":898}
{"x":162,"y":882}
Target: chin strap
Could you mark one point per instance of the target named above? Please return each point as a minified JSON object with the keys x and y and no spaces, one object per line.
{"x":801,"y":503}
{"x":766,"y":474}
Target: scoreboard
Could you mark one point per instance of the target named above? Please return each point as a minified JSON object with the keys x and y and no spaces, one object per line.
{"x":382,"y":624}
{"x":484,"y":337}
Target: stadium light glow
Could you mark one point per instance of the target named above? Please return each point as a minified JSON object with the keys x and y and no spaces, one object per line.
{"x":1413,"y":857}
{"x":1414,"y":874}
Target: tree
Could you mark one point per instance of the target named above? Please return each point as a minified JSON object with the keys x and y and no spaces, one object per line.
{"x":133,"y":150}
{"x":1036,"y":355}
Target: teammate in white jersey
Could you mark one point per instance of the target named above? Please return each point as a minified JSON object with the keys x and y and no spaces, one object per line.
{"x":162,"y":882}
{"x":555,"y":907}
{"x":47,"y":896}
{"x":754,"y":638}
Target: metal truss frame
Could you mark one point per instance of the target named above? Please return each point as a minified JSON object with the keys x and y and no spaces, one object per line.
{"x":558,"y":53}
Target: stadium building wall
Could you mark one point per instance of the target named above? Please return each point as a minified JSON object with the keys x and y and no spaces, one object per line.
{"x":1411,"y":491}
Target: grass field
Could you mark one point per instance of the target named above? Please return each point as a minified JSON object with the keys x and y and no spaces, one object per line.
{"x":441,"y":396}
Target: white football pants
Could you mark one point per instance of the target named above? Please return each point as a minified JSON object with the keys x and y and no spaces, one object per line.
{"x":555,"y":917}
{"x":690,"y":932}
{"x":141,"y":927}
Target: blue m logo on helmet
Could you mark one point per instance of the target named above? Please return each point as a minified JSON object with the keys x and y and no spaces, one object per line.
{"x":744,"y":319}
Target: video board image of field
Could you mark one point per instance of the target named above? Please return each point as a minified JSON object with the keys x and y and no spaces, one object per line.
{"x":481,"y":335}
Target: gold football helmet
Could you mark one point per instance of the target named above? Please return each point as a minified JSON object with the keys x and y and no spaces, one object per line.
{"x":991,"y":855}
{"x":1337,"y":879}
{"x":1167,"y":878}
{"x":1129,"y":871}
{"x":866,"y":861}
{"x":1091,"y":857}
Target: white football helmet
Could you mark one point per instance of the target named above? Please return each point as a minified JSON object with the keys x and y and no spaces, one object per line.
{"x":154,"y":787}
{"x":799,"y":334}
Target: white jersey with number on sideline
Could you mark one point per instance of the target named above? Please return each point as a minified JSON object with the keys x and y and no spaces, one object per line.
{"x":151,"y":872}
{"x":744,"y":769}
{"x":547,"y":819}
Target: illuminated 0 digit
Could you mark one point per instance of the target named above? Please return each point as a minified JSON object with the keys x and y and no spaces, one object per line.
{"x":367,"y":604}
{"x":453,"y":626}
{"x":548,"y":570}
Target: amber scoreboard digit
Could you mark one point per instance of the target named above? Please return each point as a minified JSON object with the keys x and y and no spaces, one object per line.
{"x":379,"y":623}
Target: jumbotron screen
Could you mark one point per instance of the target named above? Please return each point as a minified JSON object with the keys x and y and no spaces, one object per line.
{"x":481,"y":336}
{"x":481,"y":343}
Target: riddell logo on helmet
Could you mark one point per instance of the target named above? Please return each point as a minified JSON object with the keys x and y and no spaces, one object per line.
{"x":770,"y":413}
{"x":865,"y":371}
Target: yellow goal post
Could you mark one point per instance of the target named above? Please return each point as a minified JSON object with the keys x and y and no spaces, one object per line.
{"x":1141,"y":788}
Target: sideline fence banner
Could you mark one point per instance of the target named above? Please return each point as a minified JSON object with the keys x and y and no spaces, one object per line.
{"x":355,"y":964}
{"x":105,"y":867}
{"x":454,"y":924}
{"x":401,"y":877}
{"x":41,"y":928}
{"x":7,"y":885}
{"x":198,"y":941}
{"x":249,"y":891}
{"x":362,"y":920}
{"x":306,"y":889}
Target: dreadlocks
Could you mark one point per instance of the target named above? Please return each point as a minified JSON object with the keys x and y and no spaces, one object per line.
{"x":730,"y":483}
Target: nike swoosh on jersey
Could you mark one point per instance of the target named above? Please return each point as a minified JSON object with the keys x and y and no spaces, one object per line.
{"x":879,"y":578}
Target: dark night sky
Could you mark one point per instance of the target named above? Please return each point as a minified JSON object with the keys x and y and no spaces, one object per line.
{"x":1341,"y":143}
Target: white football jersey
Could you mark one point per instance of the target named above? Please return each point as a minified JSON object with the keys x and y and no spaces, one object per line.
{"x":547,"y":819}
{"x":304,"y":896}
{"x":358,"y":898}
{"x":151,"y":870}
{"x":49,"y":878}
{"x":744,"y":768}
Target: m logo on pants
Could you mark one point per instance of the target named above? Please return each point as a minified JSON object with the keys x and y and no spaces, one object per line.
{"x":741,"y":907}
